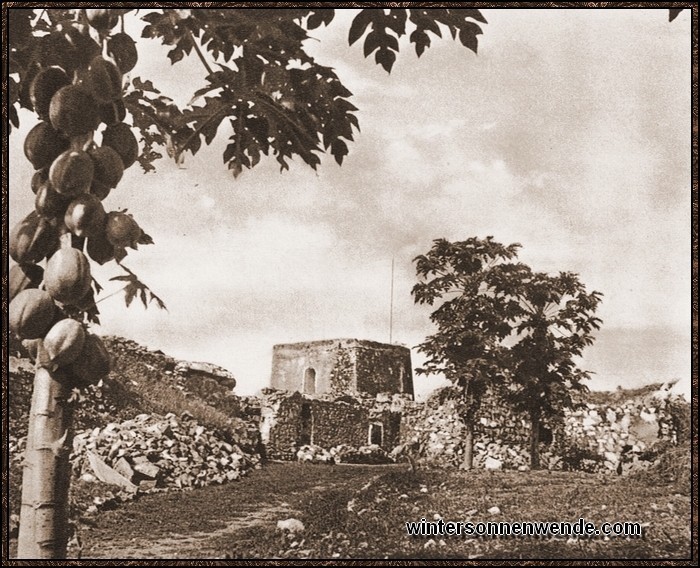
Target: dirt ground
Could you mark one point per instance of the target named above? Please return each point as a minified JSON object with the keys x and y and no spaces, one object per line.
{"x":352,"y":511}
{"x":192,"y":524}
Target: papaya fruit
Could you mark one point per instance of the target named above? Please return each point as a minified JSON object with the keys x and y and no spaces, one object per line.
{"x":31,"y":313}
{"x":122,"y":49}
{"x":44,"y":86}
{"x":73,"y":47}
{"x":108,"y":166}
{"x":102,"y":19}
{"x":73,"y":111}
{"x":121,"y":229}
{"x":43,"y":144}
{"x":103,"y":80}
{"x":49,"y":203}
{"x":93,"y":362}
{"x":112,"y":113}
{"x":85,"y":215}
{"x":99,"y":248}
{"x":64,"y":341}
{"x":39,"y":177}
{"x":122,"y":139}
{"x":24,"y":276}
{"x":99,"y":190}
{"x":71,"y":173}
{"x":67,"y":275}
{"x":33,"y":239}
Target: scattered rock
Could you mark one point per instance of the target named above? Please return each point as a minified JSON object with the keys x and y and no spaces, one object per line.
{"x":291,"y":525}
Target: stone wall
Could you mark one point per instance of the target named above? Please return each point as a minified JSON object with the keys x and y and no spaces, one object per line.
{"x":291,"y":361}
{"x":280,"y":423}
{"x":383,"y":368}
{"x":338,"y":422}
{"x":342,"y":366}
{"x":291,"y":420}
{"x":596,"y":437}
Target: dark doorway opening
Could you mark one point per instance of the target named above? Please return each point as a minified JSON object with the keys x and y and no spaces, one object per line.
{"x":546,"y":435}
{"x":376,"y":434}
{"x":307,"y":427}
{"x":310,"y":381}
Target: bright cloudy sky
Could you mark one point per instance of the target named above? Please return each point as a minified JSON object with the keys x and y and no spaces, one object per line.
{"x":569,"y":133}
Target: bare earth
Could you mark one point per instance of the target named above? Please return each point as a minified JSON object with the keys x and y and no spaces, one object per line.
{"x":193,"y":524}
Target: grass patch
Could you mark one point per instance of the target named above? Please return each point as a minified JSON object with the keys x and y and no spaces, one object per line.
{"x":369,"y":522}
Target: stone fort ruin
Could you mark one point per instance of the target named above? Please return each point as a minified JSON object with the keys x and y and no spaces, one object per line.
{"x":342,"y":366}
{"x":356,"y":393}
{"x":326,"y":393}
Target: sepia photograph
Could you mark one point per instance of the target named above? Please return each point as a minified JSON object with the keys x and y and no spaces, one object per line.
{"x":399,"y":281}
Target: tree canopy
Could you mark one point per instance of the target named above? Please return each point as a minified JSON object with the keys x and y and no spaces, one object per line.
{"x":501,"y":325}
{"x":262,"y":90}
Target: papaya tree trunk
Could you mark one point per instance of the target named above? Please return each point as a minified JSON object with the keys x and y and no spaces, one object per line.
{"x":534,"y":440}
{"x":468,"y":461}
{"x":44,"y":529}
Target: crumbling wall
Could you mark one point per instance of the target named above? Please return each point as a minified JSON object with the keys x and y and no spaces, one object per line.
{"x":280,"y":423}
{"x":342,"y":366}
{"x":383,"y":368}
{"x":338,"y":422}
{"x":291,"y":420}
{"x":597,"y":437}
{"x":343,"y":376}
{"x":290,"y":362}
{"x":390,"y":422}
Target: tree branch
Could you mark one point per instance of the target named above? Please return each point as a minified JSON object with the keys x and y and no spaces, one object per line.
{"x":210,"y":71}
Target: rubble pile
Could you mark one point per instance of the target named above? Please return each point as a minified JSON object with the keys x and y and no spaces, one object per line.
{"x":151,"y":451}
{"x":438,"y":433}
{"x":612,"y":438}
{"x":621,"y":434}
{"x":343,"y":453}
{"x":371,"y":454}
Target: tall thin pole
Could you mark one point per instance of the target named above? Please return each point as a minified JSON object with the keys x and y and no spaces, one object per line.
{"x":391,"y":303}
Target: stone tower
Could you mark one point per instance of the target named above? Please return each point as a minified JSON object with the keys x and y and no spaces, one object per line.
{"x":342,"y":366}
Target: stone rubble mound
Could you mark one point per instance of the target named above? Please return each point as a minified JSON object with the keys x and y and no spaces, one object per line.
{"x":371,"y":454}
{"x":151,"y":451}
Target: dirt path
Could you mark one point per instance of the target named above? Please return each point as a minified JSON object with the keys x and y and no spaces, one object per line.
{"x":188,"y":524}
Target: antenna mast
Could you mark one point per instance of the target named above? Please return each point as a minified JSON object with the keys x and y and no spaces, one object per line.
{"x":391,"y":303}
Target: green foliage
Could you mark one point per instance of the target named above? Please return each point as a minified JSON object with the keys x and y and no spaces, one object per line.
{"x":135,"y":288}
{"x":467,"y":279}
{"x":262,"y":90}
{"x":504,"y":327}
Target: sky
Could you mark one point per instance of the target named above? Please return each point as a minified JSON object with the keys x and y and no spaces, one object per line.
{"x":568,"y":133}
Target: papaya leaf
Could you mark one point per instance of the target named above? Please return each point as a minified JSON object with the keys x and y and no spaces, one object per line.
{"x":145,"y":239}
{"x":135,"y":288}
{"x":359,"y":25}
{"x":673,"y":13}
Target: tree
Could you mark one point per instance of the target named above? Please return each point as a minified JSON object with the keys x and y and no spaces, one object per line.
{"x":553,"y":319}
{"x":507,"y":328}
{"x":276,"y":98}
{"x":471,"y":326}
{"x":68,"y":66}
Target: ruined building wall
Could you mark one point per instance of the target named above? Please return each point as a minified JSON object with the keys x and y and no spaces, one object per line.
{"x":280,"y":425}
{"x":291,"y":420}
{"x":342,"y":366}
{"x":336,"y":423}
{"x":593,"y":438}
{"x":329,"y":362}
{"x":383,"y":368}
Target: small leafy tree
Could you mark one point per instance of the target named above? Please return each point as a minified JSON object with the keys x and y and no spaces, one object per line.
{"x":553,"y":318}
{"x":464,"y":278}
{"x":503,"y":327}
